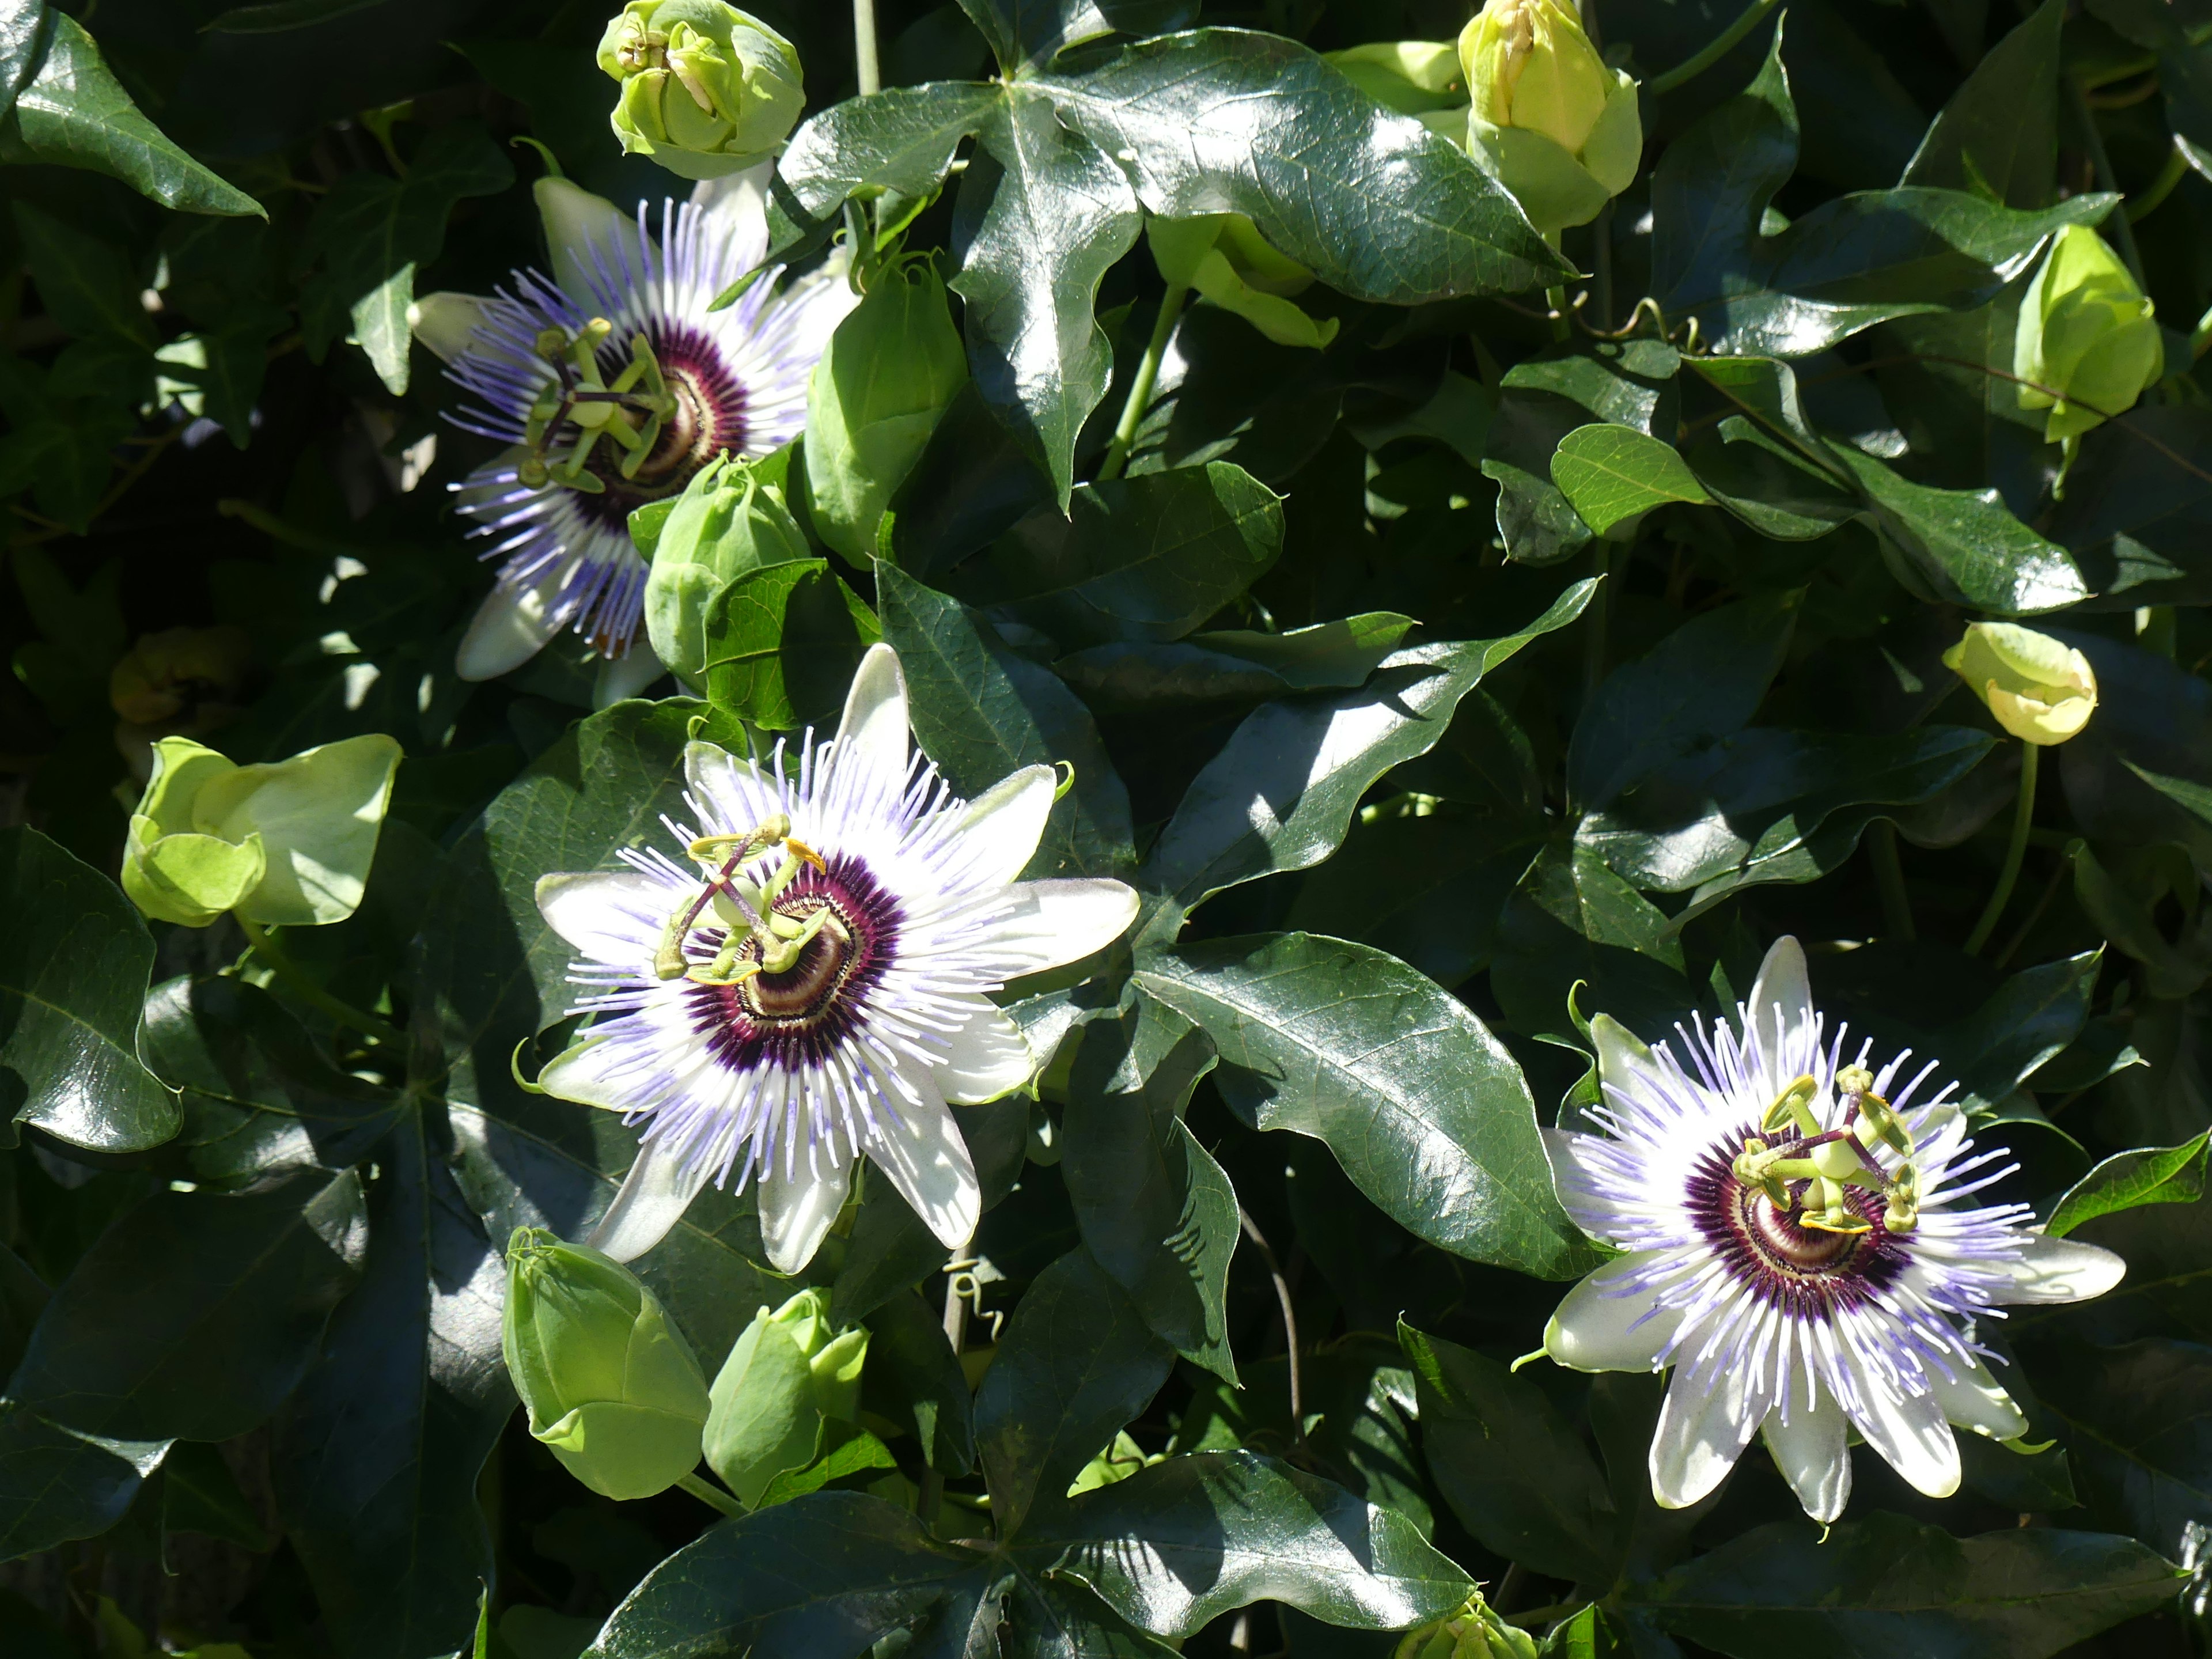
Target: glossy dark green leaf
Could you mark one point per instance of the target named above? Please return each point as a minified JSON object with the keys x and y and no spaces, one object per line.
{"x":1515,"y":1471}
{"x":1571,"y":919}
{"x":2149,"y":1175}
{"x":2033,"y":1016}
{"x":1884,"y":1582}
{"x":195,"y":1315}
{"x":1624,"y":383}
{"x":86,"y":283}
{"x":57,"y":1484}
{"x":823,"y":1574}
{"x":1033,"y":32}
{"x":1077,"y":1363}
{"x":1768,"y":484}
{"x":901,"y":139}
{"x":1536,"y":522}
{"x":1281,"y":792}
{"x":1040,"y":217}
{"x":1611,"y":474}
{"x":1423,"y":1107}
{"x":2137,"y":1421}
{"x":74,"y":961}
{"x":782,"y":642}
{"x":1175,"y":1545}
{"x":22,"y":43}
{"x":1373,"y":203}
{"x":1998,"y":135}
{"x":1050,"y":1619}
{"x":911,"y":1364}
{"x":1146,"y":558}
{"x":200,"y":1494}
{"x":73,"y":112}
{"x":1963,"y":546}
{"x":981,"y":712}
{"x":973,"y":483}
{"x":1702,"y":681}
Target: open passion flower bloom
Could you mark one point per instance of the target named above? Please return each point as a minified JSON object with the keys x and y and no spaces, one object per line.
{"x":806,"y":981}
{"x":1799,"y":1251}
{"x":613,"y":384}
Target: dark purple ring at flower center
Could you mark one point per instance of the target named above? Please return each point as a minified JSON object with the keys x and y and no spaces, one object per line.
{"x":1803,"y":1270}
{"x":710,"y":417}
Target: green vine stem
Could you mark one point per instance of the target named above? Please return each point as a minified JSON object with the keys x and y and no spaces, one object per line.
{"x":1715,"y":49}
{"x":866,"y":67}
{"x":1140,"y":387}
{"x":1889,"y":880}
{"x":2023,"y":813}
{"x":711,"y":1495}
{"x":302,"y":985}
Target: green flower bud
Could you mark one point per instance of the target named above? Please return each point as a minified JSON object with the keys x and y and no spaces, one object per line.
{"x":893,"y":366}
{"x":707,"y":89}
{"x":287,"y":845}
{"x":1410,"y":76}
{"x":1548,"y":120}
{"x":2042,"y":691}
{"x":1223,"y":256}
{"x":730,"y":518}
{"x":788,"y":1376}
{"x":610,"y":1384}
{"x":2086,"y":334}
{"x":1472,"y":1633}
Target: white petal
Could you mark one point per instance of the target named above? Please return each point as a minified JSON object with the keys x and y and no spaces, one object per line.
{"x":622,"y":678}
{"x":612,"y":916}
{"x":1580,"y":1194}
{"x":1622,"y":1056}
{"x":1909,"y":1433}
{"x":654,"y":1195}
{"x":576,"y":223}
{"x":1975,"y":1400}
{"x":927,"y":1161}
{"x":999,"y":831}
{"x":599,"y":1071}
{"x":448,"y":323}
{"x":1057,"y":921}
{"x":1780,"y":1011}
{"x":511,"y":627}
{"x":733,"y":209}
{"x":2060,"y":1270}
{"x":796,"y":1212}
{"x":1814,"y":1452}
{"x":990,"y":1057}
{"x":1596,"y":1328}
{"x":873,"y":733}
{"x":1703,"y":1429}
{"x":723,"y":784}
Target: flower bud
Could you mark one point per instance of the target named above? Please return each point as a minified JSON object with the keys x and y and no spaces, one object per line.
{"x":287,"y":845}
{"x":610,"y":1384}
{"x":892,"y":367}
{"x":2086,"y":344}
{"x":173,"y":674}
{"x":787,"y":1377}
{"x":730,"y":518}
{"x":1548,"y":120}
{"x":1223,"y":256}
{"x":1473,"y":1632}
{"x":2042,"y":691}
{"x":1410,"y":76}
{"x":707,"y":89}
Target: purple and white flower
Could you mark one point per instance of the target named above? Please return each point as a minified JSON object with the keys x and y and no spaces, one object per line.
{"x":1800,"y":1250}
{"x":806,"y":982}
{"x":612,"y":384}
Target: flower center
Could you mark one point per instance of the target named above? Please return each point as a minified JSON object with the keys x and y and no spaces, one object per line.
{"x":805,"y":990}
{"x":1788,"y":1247}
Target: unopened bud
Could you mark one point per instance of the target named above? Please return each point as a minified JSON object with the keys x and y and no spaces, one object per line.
{"x":1548,"y":120}
{"x":2086,"y":345}
{"x":707,"y":89}
{"x":789,"y":1375}
{"x":2040,"y":690}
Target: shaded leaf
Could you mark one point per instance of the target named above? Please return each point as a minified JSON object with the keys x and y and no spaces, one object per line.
{"x":2149,"y":1175}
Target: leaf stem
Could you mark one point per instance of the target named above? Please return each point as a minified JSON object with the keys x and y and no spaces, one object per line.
{"x":1889,"y":879}
{"x":1140,"y":386}
{"x":706,"y":1491}
{"x":2016,"y":850}
{"x":302,"y":985}
{"x":866,"y":67}
{"x":1714,"y":49}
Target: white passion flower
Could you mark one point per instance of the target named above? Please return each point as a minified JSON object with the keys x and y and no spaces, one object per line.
{"x":806,"y":982}
{"x":1799,"y":1250}
{"x":613,"y":384}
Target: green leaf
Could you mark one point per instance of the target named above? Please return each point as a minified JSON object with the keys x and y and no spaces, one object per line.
{"x":1041,"y":216}
{"x":1886,"y":1584}
{"x":1374,"y":203}
{"x":909,"y":1357}
{"x":1514,"y":1471}
{"x":981,"y":712}
{"x":2133,"y":1419}
{"x":1998,"y":135}
{"x":22,"y":41}
{"x":1147,"y":558}
{"x":200,"y":1494}
{"x":86,"y":284}
{"x":1424,"y":1108}
{"x":2033,"y":1016}
{"x":1962,"y":547}
{"x":1282,"y":791}
{"x":74,"y":961}
{"x":900,"y":140}
{"x":1076,"y":1364}
{"x":74,"y":112}
{"x":2149,"y":1175}
{"x":57,"y":1484}
{"x":1611,"y":474}
{"x":1175,"y":1545}
{"x":1570,"y":920}
{"x":2193,"y":797}
{"x":782,"y":642}
{"x":1343,"y":653}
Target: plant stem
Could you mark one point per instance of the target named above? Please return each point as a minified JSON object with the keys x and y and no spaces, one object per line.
{"x":2147,"y":200}
{"x":2093,"y":141}
{"x":1251,"y":1231}
{"x":1715,"y":49}
{"x":302,"y":986}
{"x":2022,"y":814}
{"x":1593,"y":620}
{"x":1140,"y":387}
{"x":1889,"y":878}
{"x":711,"y":1495}
{"x":866,"y":66}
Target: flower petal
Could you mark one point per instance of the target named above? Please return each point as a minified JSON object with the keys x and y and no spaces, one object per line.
{"x":990,"y":1057}
{"x":1814,"y":1452}
{"x":1597,"y":1327}
{"x":612,"y":916}
{"x":1057,"y":921}
{"x":448,"y":323}
{"x":600,"y":1070}
{"x":654,"y":1195}
{"x":999,"y":831}
{"x":873,"y":734}
{"x":796,"y":1210}
{"x":511,"y":626}
{"x":1704,"y":1427}
{"x":1908,"y":1432}
{"x":2059,"y":1270}
{"x":621,"y":678}
{"x":728,"y":788}
{"x":1974,"y":1400}
{"x":734,"y":211}
{"x":922,"y":1151}
{"x":577,"y":224}
{"x":1779,"y":1010}
{"x":1581,"y":1194}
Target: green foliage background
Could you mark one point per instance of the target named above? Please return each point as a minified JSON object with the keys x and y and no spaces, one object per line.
{"x":1477,"y":670}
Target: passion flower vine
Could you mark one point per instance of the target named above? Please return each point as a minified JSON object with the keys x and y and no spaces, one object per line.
{"x":806,"y":982}
{"x":613,"y":384}
{"x":1799,"y":1251}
